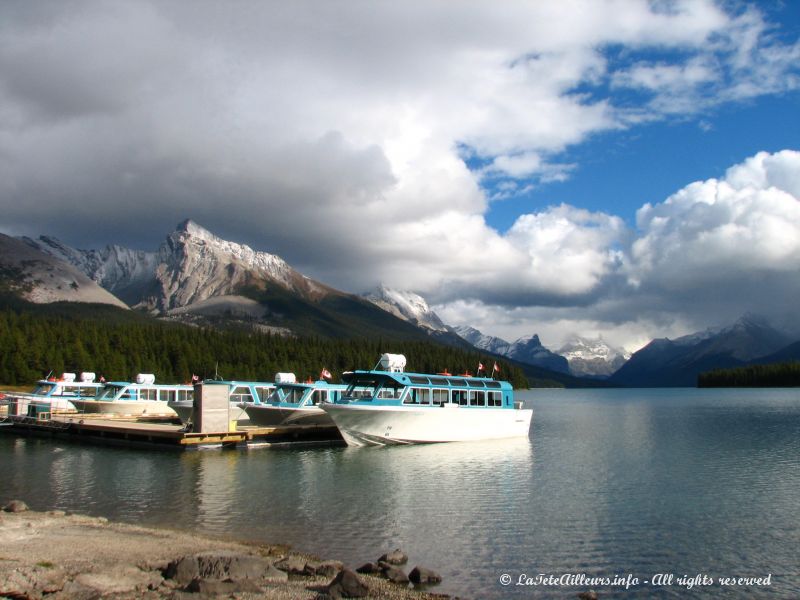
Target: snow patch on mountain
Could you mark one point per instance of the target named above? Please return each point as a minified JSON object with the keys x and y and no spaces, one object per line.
{"x":527,"y":349}
{"x":408,"y":306}
{"x":592,"y":357}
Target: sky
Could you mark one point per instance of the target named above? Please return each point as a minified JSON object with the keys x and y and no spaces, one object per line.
{"x":617,"y":168}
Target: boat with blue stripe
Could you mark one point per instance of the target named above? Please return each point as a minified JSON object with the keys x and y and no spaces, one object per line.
{"x":294,"y":403}
{"x":386,"y":405}
{"x":54,"y":395}
{"x":143,"y":397}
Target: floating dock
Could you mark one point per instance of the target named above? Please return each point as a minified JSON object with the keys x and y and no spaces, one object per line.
{"x":147,"y":433}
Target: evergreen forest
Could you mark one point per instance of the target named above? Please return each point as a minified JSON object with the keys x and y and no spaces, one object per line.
{"x":785,"y":374}
{"x":36,"y":340}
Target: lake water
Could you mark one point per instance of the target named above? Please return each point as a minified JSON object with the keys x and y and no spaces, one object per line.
{"x":611,"y":483}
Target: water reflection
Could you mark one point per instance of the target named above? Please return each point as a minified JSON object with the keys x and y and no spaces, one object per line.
{"x":631,"y":481}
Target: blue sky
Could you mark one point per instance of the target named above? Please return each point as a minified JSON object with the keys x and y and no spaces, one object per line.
{"x":622,"y":168}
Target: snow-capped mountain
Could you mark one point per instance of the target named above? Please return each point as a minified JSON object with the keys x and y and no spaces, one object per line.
{"x":592,"y":357}
{"x":41,"y":278}
{"x":128,"y":274}
{"x":408,"y":306}
{"x":526,"y":349}
{"x":492,"y":344}
{"x":665,"y":362}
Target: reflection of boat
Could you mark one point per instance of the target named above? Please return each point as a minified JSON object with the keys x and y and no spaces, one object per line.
{"x":240,"y":392}
{"x":389,"y":406}
{"x":54,"y":395}
{"x":293,"y":403}
{"x":142,"y":398}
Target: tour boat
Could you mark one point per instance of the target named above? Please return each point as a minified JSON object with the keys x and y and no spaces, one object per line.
{"x":293,"y":403}
{"x":140,"y":398}
{"x":389,"y":406}
{"x":241,"y":392}
{"x":53,"y":395}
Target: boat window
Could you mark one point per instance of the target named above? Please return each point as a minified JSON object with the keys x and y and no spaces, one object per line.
{"x":167,"y":395}
{"x":475,"y":383}
{"x":459,"y":397}
{"x":494,"y":398}
{"x":458,"y":382}
{"x":391,"y":391}
{"x":185,"y":395}
{"x":362,"y":389}
{"x":418,"y":379}
{"x":477,"y":398}
{"x":42,"y":390}
{"x":418,"y":396}
{"x":438,"y":380}
{"x":148,"y":394}
{"x":294,"y":395}
{"x":110,"y":392}
{"x":241,"y":394}
{"x":439,"y":396}
{"x":88,"y":392}
{"x":264,"y":393}
{"x":319,"y":396}
{"x":493,"y":384}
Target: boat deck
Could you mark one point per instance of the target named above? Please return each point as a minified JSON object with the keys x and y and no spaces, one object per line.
{"x":151,"y":433}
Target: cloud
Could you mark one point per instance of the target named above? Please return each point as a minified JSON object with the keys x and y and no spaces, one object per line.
{"x":346,"y":139}
{"x":704,"y":256}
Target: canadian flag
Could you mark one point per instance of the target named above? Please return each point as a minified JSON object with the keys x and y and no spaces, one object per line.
{"x":480,"y":367}
{"x":195,"y":378}
{"x":325,"y":374}
{"x":495,"y":368}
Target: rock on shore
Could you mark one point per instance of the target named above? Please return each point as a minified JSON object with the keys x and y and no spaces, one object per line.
{"x":76,"y":557}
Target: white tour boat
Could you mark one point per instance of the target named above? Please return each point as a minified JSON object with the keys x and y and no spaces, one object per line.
{"x":293,"y":403}
{"x":141,"y":398}
{"x":388,"y":406}
{"x":53,"y":395}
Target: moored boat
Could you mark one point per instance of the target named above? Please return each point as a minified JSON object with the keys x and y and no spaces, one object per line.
{"x":386,"y":405}
{"x":241,"y":393}
{"x":54,"y":395}
{"x":293,"y":403}
{"x":143,"y":397}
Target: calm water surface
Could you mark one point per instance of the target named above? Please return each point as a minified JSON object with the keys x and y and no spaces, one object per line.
{"x":610,"y":483}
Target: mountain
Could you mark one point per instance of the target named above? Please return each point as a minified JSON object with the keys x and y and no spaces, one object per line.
{"x":528,"y":350}
{"x":199,"y":278}
{"x":128,"y":274}
{"x":408,"y":306}
{"x":41,"y":278}
{"x":592,"y":357}
{"x":678,"y":362}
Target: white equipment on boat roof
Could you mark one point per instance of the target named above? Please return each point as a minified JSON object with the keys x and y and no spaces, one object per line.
{"x":393,"y":363}
{"x":68,"y":377}
{"x":145,"y":379}
{"x":285,"y":378}
{"x":87,"y":377}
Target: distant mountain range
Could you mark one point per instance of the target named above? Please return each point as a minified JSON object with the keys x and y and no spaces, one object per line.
{"x":198,"y":278}
{"x":678,"y":362}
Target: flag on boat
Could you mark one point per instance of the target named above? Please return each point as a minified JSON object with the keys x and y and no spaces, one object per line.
{"x":495,"y":368}
{"x":195,"y":378}
{"x":325,"y":374}
{"x":480,"y":367}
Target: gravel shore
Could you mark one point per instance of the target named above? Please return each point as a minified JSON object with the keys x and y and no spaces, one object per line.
{"x":69,"y":556}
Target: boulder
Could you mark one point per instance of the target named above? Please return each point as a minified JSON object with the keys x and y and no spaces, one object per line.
{"x":218,"y":566}
{"x":211,"y":587}
{"x":327,"y":568}
{"x":369,"y":568}
{"x":393,"y":573}
{"x":422,"y":576}
{"x":395,"y":557}
{"x":590,"y":595}
{"x":15,"y":506}
{"x":294,"y":565}
{"x":347,"y":585}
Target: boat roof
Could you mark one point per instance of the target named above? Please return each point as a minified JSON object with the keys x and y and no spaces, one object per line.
{"x":439,"y":380}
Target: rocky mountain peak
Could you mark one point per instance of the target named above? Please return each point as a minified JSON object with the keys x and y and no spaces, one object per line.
{"x":406,"y":305}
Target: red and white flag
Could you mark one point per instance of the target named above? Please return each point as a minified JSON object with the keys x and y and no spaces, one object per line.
{"x":480,"y":367}
{"x":195,"y":378}
{"x":495,"y":368}
{"x":325,"y":374}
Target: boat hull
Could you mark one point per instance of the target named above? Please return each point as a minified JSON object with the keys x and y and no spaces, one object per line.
{"x":383,"y":425}
{"x":265,"y":415}
{"x":127,"y":408}
{"x":19,"y":405}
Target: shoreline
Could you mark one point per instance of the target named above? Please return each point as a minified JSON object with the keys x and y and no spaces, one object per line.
{"x":72,"y":556}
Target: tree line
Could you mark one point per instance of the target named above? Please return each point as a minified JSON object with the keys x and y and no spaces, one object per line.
{"x":35,"y":341}
{"x":786,"y":374}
